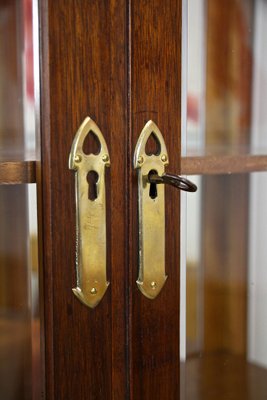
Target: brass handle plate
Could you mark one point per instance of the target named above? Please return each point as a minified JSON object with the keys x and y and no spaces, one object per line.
{"x":90,"y":216}
{"x":151,"y":210}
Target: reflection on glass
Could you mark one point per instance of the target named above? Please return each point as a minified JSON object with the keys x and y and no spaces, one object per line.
{"x":226,"y":319}
{"x":194,"y":303}
{"x":227,"y":77}
{"x":15,"y":316}
{"x":227,"y":288}
{"x":196,"y":76}
{"x":257,"y":273}
{"x":19,"y":312}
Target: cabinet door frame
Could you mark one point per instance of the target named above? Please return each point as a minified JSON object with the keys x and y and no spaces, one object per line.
{"x":120,"y":63}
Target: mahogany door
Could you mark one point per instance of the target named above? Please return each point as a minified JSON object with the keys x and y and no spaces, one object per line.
{"x":118,"y":62}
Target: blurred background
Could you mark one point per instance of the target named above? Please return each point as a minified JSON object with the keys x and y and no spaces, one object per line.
{"x":226,"y":224}
{"x":19,"y":303}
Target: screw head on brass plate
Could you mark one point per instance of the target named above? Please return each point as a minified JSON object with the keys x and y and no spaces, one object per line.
{"x":105,"y":158}
{"x":93,"y":291}
{"x":153,"y":284}
{"x":164,"y":158}
{"x":78,"y":158}
{"x":140,"y":160}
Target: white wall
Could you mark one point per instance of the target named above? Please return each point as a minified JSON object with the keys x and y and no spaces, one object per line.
{"x":257,"y":284}
{"x":193,"y":84}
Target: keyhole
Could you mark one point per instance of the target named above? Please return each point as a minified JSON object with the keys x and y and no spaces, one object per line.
{"x":153,"y":193}
{"x":92,"y":179}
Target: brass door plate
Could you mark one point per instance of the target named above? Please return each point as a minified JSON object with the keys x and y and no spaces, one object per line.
{"x":90,"y":216}
{"x":151,"y":209}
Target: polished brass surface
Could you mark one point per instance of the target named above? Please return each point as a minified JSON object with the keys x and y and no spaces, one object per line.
{"x":90,"y":217}
{"x":152,"y":275}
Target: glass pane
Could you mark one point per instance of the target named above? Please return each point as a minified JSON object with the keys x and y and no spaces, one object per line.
{"x":227,"y":77}
{"x":19,"y":310}
{"x":227,"y":288}
{"x":17,"y":122}
{"x":226,"y":322}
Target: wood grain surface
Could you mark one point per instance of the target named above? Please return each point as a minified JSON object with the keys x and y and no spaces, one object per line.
{"x":83,"y":73}
{"x":17,"y":172}
{"x":84,"y":64}
{"x":223,"y":376}
{"x":155,"y":76}
{"x":223,"y":164}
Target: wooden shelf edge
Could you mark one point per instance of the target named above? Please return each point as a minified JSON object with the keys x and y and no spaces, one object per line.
{"x":230,"y":164}
{"x":223,"y":376}
{"x":22,"y":172}
{"x":17,"y":172}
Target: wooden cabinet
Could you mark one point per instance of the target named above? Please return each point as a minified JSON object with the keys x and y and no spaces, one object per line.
{"x":117,"y":63}
{"x":120,"y":62}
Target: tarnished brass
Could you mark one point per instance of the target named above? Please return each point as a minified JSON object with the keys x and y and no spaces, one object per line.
{"x":90,"y":217}
{"x":152,"y":275}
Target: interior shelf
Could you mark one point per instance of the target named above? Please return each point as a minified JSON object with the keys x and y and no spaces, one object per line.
{"x":17,"y":172}
{"x":223,"y":376}
{"x":223,"y":164}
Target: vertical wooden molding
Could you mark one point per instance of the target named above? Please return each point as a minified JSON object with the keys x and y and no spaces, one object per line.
{"x":83,"y":72}
{"x":155,"y":76}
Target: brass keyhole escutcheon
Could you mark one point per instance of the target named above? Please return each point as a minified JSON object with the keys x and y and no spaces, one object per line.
{"x":89,"y":166}
{"x":150,"y":159}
